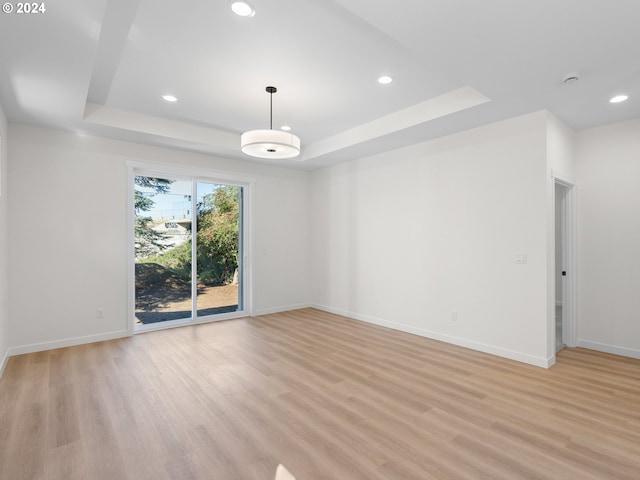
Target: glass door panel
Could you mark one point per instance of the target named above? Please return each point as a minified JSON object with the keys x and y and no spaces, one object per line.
{"x":163,"y":218}
{"x":219,"y":233}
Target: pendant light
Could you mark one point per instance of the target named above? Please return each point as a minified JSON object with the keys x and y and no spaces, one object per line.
{"x":270,"y":143}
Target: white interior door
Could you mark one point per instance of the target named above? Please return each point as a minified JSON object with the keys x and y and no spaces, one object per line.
{"x":565,"y":265}
{"x":560,"y":267}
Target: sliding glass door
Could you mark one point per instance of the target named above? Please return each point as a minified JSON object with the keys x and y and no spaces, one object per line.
{"x":219,"y":276}
{"x":162,"y":249}
{"x":189,"y":256}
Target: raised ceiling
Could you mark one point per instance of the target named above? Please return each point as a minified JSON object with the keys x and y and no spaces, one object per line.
{"x":101,"y":67}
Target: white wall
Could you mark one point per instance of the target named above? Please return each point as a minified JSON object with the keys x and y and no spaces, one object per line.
{"x":4,"y":245}
{"x":560,"y":148}
{"x":608,"y":176}
{"x":407,"y":238}
{"x":67,"y":234}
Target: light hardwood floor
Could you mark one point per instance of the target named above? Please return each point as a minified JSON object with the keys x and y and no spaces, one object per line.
{"x":329,"y":397}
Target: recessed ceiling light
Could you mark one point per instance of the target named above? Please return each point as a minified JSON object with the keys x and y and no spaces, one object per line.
{"x":243,"y":9}
{"x":619,"y":98}
{"x":286,"y":128}
{"x":385,"y":80}
{"x":170,"y":98}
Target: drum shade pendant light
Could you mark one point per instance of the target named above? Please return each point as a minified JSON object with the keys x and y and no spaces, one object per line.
{"x":270,"y":143}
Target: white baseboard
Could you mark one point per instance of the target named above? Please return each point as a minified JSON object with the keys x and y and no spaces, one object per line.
{"x":67,"y":342}
{"x":3,"y":362}
{"x":70,"y":342}
{"x":551,"y":361}
{"x":284,"y":308}
{"x":461,"y":342}
{"x":603,"y":347}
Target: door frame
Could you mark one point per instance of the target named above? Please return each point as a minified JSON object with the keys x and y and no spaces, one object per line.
{"x":135,"y":168}
{"x":569,"y":324}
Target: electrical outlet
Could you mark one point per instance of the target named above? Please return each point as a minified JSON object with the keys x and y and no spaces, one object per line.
{"x":99,"y":314}
{"x":454,"y":316}
{"x":521,"y":258}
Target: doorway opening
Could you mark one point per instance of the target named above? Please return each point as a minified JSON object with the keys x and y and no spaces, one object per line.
{"x":564,"y":273}
{"x":560,"y":271}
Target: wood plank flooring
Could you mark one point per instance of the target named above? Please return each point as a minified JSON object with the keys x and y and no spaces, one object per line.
{"x":329,"y":397}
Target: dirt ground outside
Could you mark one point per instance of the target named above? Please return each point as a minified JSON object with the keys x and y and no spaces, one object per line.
{"x":211,"y":300}
{"x":162,"y":296}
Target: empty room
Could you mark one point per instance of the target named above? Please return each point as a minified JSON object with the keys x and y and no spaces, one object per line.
{"x":319,"y":239}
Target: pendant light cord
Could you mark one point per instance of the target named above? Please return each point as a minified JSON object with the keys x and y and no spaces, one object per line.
{"x":271,"y":91}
